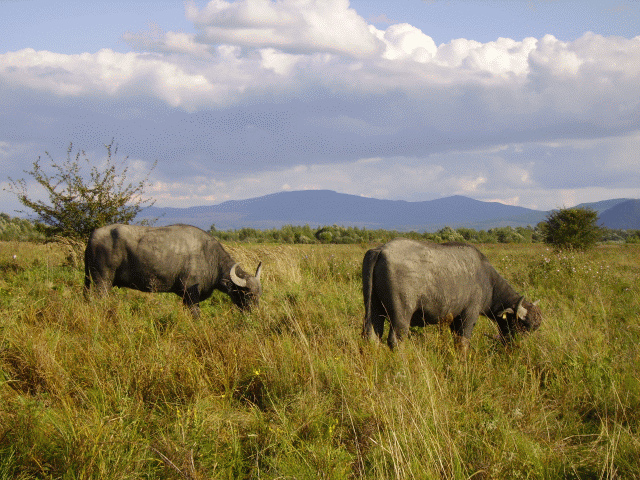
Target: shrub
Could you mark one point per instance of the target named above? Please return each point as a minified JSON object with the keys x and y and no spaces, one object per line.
{"x":79,"y":203}
{"x":571,"y":228}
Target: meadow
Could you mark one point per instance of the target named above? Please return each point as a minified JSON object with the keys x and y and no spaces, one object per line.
{"x":131,"y":387}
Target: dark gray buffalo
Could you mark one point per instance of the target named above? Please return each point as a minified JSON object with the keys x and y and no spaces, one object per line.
{"x":416,"y":284}
{"x":179,"y":258}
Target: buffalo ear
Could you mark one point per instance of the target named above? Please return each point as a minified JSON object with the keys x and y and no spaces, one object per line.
{"x":505,"y":312}
{"x":259,"y":271}
{"x":240,"y":282}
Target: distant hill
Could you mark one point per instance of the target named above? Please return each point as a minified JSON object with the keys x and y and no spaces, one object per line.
{"x":625,"y":215}
{"x":603,"y":205}
{"x":326,"y":207}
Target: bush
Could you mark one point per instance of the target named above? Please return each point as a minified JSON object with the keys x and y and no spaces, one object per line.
{"x":79,"y":203}
{"x":508,"y":235}
{"x":448,"y":234}
{"x":572,"y":228}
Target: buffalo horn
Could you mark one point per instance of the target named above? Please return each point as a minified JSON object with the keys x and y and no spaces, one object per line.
{"x":521,"y":312}
{"x":258,"y":271}
{"x":240,"y":282}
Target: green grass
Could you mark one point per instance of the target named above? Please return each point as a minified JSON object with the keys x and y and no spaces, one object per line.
{"x":130,"y":386}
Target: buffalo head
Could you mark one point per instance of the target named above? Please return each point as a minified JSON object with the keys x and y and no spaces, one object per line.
{"x":524,"y":317}
{"x":244,"y":289}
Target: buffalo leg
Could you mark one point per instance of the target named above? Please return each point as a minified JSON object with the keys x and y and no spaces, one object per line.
{"x":374,"y":320}
{"x":392,"y":339}
{"x":462,"y":345}
{"x":191,"y":299}
{"x":399,"y":320}
{"x":462,"y":328}
{"x":506,"y":331}
{"x":101,"y":283}
{"x":367,"y":325}
{"x":378,"y":319}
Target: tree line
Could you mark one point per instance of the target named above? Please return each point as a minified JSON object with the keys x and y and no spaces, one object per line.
{"x":336,"y":234}
{"x":21,"y":229}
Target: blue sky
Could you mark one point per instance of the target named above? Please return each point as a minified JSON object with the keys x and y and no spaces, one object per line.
{"x":75,"y":26}
{"x":531,"y":103}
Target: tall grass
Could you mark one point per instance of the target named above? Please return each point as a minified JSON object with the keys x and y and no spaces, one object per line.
{"x":131,"y":386}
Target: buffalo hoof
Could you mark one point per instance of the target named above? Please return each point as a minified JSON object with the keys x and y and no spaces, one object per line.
{"x":462,"y":345}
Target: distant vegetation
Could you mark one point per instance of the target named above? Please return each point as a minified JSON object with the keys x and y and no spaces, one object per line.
{"x":348,"y":235}
{"x":335,"y":234}
{"x":20,"y":229}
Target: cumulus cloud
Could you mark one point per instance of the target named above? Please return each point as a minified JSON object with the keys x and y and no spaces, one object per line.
{"x":404,"y":41}
{"x":252,"y":48}
{"x":105,"y":73}
{"x":294,"y":26}
{"x":155,"y":39}
{"x":193,"y":72}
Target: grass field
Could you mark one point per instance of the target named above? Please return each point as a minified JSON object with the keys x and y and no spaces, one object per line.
{"x":130,"y":386}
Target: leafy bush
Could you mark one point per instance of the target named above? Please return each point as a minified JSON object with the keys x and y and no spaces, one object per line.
{"x":448,"y":234}
{"x":79,"y":203}
{"x":572,"y":228}
{"x":508,"y":235}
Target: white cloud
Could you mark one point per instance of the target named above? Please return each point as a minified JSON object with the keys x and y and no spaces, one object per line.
{"x":513,"y":201}
{"x":292,"y":47}
{"x":505,"y":174}
{"x":187,"y":192}
{"x":406,"y":41}
{"x":556,"y":57}
{"x":455,"y":52}
{"x":469,"y":186}
{"x":155,"y":39}
{"x":281,"y":63}
{"x":293,"y":26}
{"x":105,"y":73}
{"x":9,"y":150}
{"x":502,"y":57}
{"x":476,"y":175}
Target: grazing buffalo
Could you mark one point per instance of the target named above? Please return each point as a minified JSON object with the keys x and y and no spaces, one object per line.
{"x":179,"y":258}
{"x":416,"y":283}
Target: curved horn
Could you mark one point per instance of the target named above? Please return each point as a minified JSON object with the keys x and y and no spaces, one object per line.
{"x":259,"y":271}
{"x":240,"y":282}
{"x":521,"y":312}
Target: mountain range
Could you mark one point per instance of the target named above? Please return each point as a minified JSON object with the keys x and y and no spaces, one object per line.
{"x":326,"y":207}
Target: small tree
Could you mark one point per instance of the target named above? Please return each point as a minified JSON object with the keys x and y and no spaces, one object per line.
{"x":571,"y":228}
{"x":448,"y":234}
{"x":77,"y":203}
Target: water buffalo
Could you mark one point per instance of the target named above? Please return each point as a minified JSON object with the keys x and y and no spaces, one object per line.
{"x":416,"y":283}
{"x":179,"y":258}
